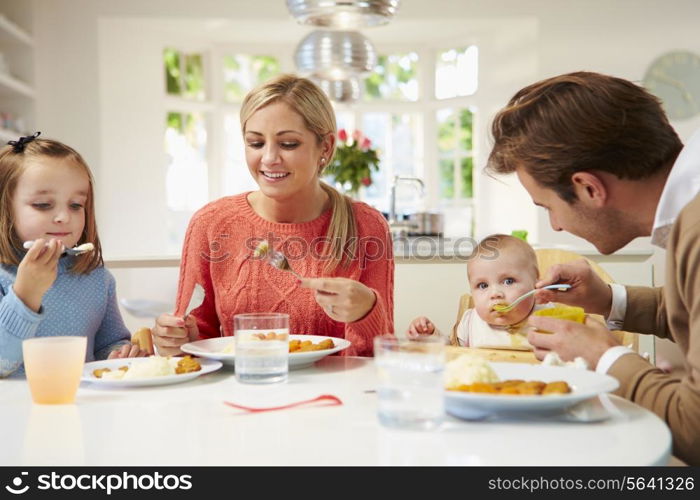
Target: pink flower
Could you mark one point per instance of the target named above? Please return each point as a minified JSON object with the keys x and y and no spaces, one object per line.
{"x":357,"y":136}
{"x":342,"y":135}
{"x":366,"y":143}
{"x":366,"y":181}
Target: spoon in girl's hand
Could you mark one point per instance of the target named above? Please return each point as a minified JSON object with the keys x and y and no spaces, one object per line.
{"x":77,"y":250}
{"x":504,"y":308}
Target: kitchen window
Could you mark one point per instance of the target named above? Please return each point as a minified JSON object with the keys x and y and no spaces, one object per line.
{"x":417,"y":109}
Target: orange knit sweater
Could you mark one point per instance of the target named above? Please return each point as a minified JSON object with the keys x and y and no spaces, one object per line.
{"x":217,"y":254}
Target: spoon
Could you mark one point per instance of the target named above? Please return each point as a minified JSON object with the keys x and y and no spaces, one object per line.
{"x":274,"y":258}
{"x":77,"y":250}
{"x":502,"y":308}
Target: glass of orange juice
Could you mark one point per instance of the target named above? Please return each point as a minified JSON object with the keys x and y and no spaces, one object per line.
{"x":54,"y":366}
{"x":560,"y":311}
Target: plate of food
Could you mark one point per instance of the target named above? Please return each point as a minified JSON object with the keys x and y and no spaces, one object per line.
{"x":476,"y":389}
{"x":304,"y":350}
{"x":153,"y":370}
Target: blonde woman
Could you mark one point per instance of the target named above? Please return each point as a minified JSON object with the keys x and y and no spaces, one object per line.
{"x":342,"y":247}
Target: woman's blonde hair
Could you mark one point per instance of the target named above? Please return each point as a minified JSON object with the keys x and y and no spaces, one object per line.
{"x":12,"y":164}
{"x":308,"y":100}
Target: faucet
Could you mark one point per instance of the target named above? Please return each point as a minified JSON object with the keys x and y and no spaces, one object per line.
{"x":396,"y":227}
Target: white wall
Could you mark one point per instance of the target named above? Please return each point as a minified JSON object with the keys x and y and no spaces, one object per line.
{"x":548,"y":37}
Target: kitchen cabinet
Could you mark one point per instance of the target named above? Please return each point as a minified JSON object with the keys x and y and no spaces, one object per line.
{"x":16,"y":76}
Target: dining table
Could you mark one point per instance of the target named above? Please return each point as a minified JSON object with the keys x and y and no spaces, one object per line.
{"x":190,"y":423}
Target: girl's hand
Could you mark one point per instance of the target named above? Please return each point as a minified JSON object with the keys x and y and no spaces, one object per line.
{"x":171,"y":332}
{"x":420,"y":326}
{"x":37,"y":271}
{"x":342,"y":299}
{"x":128,"y":351}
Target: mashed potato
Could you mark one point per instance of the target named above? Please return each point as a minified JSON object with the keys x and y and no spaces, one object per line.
{"x":468,"y":369}
{"x":153,"y":366}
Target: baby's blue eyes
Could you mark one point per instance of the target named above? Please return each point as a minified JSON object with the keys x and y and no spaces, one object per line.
{"x":483,"y":285}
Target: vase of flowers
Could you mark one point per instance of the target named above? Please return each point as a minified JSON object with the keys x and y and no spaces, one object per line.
{"x":354,"y":161}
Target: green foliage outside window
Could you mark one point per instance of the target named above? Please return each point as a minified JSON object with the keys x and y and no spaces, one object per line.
{"x":243,"y":72}
{"x":394,"y":77}
{"x":184,"y":74}
{"x":455,"y":143}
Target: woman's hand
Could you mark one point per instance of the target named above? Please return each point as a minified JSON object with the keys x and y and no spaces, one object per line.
{"x":587,"y":290}
{"x":342,"y":299}
{"x":420,"y":326}
{"x":128,"y":351}
{"x":171,"y":332}
{"x":37,"y":271}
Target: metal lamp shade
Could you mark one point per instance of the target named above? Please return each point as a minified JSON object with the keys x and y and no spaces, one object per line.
{"x":343,"y":14}
{"x":335,"y":55}
{"x":345,"y":91}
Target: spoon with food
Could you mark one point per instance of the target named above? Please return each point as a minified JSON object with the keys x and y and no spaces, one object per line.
{"x":275,"y":258}
{"x":77,"y":250}
{"x":504,"y":308}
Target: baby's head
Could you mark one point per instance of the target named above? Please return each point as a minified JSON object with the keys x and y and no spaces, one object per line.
{"x":500,"y":270}
{"x":46,"y":191}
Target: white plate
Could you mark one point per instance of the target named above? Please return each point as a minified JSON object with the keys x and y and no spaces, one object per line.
{"x":212,"y":349}
{"x":584,"y":385}
{"x":208,"y":366}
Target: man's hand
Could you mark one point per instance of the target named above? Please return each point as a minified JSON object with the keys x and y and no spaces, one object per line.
{"x":587,"y":290}
{"x":570,"y":339}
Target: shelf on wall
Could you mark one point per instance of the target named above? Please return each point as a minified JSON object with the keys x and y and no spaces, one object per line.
{"x":8,"y":135}
{"x":10,"y":32}
{"x":10,"y":85}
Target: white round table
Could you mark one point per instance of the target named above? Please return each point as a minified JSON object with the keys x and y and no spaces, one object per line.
{"x":188,"y":424}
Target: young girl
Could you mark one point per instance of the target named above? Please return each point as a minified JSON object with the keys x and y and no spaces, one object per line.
{"x":46,"y":196}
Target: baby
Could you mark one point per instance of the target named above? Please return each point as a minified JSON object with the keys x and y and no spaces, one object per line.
{"x":501,"y":269}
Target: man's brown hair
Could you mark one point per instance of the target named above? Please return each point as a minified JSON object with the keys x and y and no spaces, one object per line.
{"x":581,"y":122}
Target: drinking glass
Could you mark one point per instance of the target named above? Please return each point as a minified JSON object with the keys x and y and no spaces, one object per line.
{"x":411,"y":381}
{"x":54,"y":366}
{"x":261,"y":347}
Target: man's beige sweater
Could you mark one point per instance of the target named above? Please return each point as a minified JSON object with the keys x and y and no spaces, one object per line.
{"x":672,"y":312}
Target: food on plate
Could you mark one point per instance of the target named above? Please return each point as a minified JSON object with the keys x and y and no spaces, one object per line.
{"x":516,"y":387}
{"x":468,"y":369}
{"x":468,"y":373}
{"x":295,"y":345}
{"x":143,"y":338}
{"x":153,"y":366}
{"x":187,"y":365}
{"x":98,"y":373}
{"x":270,"y":336}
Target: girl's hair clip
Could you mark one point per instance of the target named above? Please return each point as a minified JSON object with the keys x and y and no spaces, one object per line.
{"x":19,"y":144}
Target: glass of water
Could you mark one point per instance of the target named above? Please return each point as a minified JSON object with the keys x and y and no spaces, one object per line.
{"x":261,"y":347}
{"x":410,"y":381}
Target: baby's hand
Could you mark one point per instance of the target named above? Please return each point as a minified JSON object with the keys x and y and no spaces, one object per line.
{"x":420,"y":326}
{"x":128,"y":351}
{"x":37,"y":271}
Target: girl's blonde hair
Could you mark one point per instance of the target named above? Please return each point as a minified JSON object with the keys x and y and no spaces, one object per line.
{"x":309,"y":101}
{"x":12,"y":165}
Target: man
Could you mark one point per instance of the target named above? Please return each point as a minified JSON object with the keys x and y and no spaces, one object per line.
{"x":598,"y":153}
